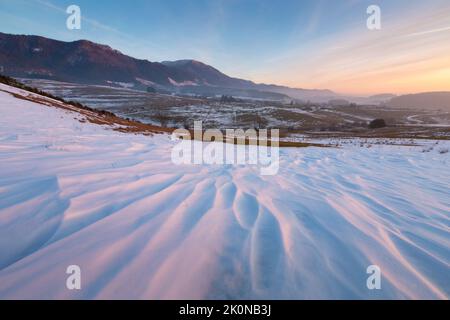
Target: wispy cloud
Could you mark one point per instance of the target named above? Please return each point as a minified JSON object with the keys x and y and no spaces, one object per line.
{"x":429,"y":32}
{"x":408,"y":54}
{"x":94,"y":23}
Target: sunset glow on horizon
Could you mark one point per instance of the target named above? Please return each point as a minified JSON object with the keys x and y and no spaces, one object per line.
{"x":410,"y":54}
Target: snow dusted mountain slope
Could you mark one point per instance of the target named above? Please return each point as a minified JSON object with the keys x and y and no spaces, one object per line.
{"x":75,"y":193}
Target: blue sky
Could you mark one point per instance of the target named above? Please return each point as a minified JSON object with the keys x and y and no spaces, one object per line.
{"x":285,"y":41}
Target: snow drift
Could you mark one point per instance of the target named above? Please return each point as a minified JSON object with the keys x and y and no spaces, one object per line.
{"x":75,"y":193}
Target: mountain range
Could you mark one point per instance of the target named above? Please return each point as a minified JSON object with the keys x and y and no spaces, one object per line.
{"x":87,"y":62}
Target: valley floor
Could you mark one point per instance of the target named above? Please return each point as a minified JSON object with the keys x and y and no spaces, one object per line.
{"x":74,"y":193}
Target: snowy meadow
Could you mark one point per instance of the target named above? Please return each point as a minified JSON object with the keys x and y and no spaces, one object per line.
{"x":140,"y":226}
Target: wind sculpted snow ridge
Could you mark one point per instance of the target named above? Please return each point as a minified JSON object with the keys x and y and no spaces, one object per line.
{"x":141,"y":227}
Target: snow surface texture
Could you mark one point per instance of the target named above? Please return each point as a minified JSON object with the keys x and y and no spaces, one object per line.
{"x":76,"y":193}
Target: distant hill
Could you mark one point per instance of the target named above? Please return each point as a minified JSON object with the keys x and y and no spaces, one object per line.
{"x":79,"y":61}
{"x":382,"y":96}
{"x":203,"y":74}
{"x":91,"y":63}
{"x":424,"y":101}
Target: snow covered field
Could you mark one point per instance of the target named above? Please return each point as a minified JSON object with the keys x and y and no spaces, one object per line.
{"x":76,"y":193}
